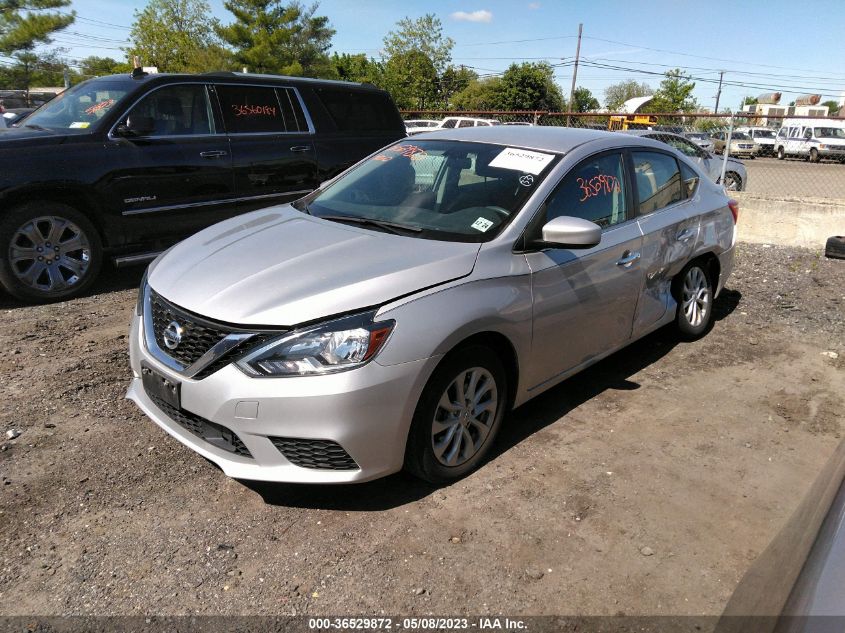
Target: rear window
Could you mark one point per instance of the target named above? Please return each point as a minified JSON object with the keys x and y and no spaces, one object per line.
{"x":360,"y":111}
{"x":257,"y":109}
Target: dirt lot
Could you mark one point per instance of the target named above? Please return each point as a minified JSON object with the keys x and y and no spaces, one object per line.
{"x":646,"y":485}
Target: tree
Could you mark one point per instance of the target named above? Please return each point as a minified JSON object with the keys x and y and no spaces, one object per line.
{"x":748,"y":101}
{"x":617,"y":94}
{"x":479,"y":95}
{"x":176,"y":36}
{"x":425,"y":35}
{"x":271,"y":37}
{"x":358,"y":68}
{"x":412,"y":80}
{"x":583,"y":101}
{"x":454,"y":80}
{"x":21,"y":32}
{"x":98,"y":66}
{"x":530,"y":86}
{"x":674,"y":94}
{"x":832,"y":106}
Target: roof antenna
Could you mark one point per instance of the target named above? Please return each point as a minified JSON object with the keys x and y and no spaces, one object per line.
{"x":137,"y":71}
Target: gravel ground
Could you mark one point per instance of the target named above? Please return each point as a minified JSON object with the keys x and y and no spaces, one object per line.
{"x":645,"y":485}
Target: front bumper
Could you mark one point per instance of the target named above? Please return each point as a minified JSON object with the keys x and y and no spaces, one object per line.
{"x":366,"y":411}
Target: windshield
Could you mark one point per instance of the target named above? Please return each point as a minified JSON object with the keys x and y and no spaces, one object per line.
{"x":764,"y":133}
{"x":698,"y":137}
{"x":442,"y":190}
{"x":830,"y":132}
{"x":79,"y":107}
{"x":741,"y":135}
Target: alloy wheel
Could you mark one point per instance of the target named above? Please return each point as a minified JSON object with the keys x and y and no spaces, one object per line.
{"x":464,"y":416}
{"x":696,"y":297}
{"x":50,"y":253}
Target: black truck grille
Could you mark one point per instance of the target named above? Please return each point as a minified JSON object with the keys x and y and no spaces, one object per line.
{"x":213,"y":433}
{"x":321,"y":454}
{"x":197,"y":336}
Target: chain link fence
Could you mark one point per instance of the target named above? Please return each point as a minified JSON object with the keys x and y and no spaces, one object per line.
{"x":781,"y":158}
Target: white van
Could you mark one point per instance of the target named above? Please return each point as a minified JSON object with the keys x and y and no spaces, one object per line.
{"x":811,"y":138}
{"x":763,"y":136}
{"x":465,"y":121}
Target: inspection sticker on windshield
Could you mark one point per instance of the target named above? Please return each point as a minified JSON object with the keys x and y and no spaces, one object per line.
{"x":481,"y":224}
{"x":78,"y":125}
{"x":522,"y":160}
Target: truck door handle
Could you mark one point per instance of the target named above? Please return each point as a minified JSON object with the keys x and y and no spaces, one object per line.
{"x":684,"y":235}
{"x":217,"y":153}
{"x":628,"y":259}
{"x":298,"y":149}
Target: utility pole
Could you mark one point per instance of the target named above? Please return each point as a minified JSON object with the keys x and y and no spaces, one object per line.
{"x":575,"y":73}
{"x":719,"y":91}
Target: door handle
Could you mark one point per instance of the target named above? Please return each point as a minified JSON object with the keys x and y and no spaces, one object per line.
{"x":217,"y":153}
{"x":298,"y":149}
{"x":628,"y":259}
{"x":684,"y":235}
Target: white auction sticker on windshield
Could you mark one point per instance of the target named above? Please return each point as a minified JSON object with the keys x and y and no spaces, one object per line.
{"x":481,"y":224}
{"x":522,"y":160}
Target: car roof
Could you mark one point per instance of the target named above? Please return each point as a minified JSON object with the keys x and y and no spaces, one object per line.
{"x":551,"y":139}
{"x":244,"y":78}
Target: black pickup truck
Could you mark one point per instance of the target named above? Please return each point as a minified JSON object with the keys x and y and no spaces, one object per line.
{"x":121,"y":167}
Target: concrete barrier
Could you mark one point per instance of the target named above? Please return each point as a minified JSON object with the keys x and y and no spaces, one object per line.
{"x":806,"y":222}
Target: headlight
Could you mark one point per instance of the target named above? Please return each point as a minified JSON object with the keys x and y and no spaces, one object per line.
{"x":822,"y":146}
{"x":335,"y":346}
{"x":139,"y":305}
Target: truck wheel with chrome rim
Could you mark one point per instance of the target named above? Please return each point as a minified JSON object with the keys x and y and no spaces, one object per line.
{"x":694,"y":293}
{"x":458,"y":416}
{"x":50,"y":251}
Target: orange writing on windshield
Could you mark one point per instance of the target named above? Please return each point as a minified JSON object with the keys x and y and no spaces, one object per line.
{"x":602,"y":184}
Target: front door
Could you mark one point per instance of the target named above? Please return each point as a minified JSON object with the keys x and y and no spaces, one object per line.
{"x":273,"y":153}
{"x":176,"y":179}
{"x":584,"y":300}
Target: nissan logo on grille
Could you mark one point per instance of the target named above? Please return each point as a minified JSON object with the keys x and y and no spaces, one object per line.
{"x":172,"y":335}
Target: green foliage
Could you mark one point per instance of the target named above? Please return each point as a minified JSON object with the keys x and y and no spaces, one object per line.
{"x":832,"y":106}
{"x":358,"y":68}
{"x":530,"y":86}
{"x":268,"y":36}
{"x":98,"y":66}
{"x":749,"y":101}
{"x":412,"y":80}
{"x":175,"y":36}
{"x":24,"y":24}
{"x":424,"y":35}
{"x":453,"y":81}
{"x":674,"y":94}
{"x":583,"y":101}
{"x":479,"y":95}
{"x":617,"y":94}
{"x":708,"y":125}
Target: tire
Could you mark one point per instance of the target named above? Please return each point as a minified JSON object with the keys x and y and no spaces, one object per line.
{"x":814,"y":155}
{"x":733,"y":181}
{"x":69,"y":259}
{"x":439,"y":434}
{"x":781,"y":153}
{"x":835,"y":247}
{"x":693,"y":291}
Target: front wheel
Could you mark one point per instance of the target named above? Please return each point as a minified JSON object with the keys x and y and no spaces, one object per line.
{"x":814,"y":155}
{"x":694,"y":293}
{"x":50,"y":252}
{"x":733,"y":182}
{"x":781,"y":153}
{"x":458,"y":416}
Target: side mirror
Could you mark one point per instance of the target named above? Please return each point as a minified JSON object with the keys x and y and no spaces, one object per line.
{"x":136,"y":125}
{"x":568,"y":232}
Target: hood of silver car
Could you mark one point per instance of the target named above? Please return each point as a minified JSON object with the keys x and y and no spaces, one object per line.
{"x":280,"y":267}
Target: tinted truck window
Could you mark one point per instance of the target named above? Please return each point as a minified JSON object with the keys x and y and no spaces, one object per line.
{"x":356,"y":111}
{"x":251,"y":109}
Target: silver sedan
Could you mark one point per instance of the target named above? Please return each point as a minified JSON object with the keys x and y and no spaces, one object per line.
{"x":392,"y":318}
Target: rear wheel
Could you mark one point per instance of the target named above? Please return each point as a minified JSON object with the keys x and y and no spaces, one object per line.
{"x":458,"y":416}
{"x":814,"y":155}
{"x":733,"y":181}
{"x":694,"y":293}
{"x":781,"y":153}
{"x":50,"y":252}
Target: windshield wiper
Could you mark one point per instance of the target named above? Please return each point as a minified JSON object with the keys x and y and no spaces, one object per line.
{"x":390,"y":227}
{"x":40,"y":128}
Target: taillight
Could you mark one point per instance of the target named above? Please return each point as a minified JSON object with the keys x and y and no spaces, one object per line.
{"x":733,"y":205}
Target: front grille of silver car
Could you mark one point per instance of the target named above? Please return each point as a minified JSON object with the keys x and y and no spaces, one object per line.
{"x":198,"y":337}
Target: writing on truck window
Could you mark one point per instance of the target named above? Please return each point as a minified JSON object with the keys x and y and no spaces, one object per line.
{"x":97,"y":107}
{"x":253,"y":110}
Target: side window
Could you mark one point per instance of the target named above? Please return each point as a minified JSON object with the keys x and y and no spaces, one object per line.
{"x":292,"y":110}
{"x":360,"y":110}
{"x":177,"y":110}
{"x":690,"y":180}
{"x":682,"y":145}
{"x":448,"y":123}
{"x":658,"y":181}
{"x":794,"y":132}
{"x":251,"y":109}
{"x":594,"y":191}
{"x":808,"y":133}
{"x":465,"y":123}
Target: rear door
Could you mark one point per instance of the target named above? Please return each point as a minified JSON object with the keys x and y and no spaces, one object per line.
{"x":274,"y":157}
{"x":178,"y":178}
{"x":584,"y":299}
{"x":669,"y":224}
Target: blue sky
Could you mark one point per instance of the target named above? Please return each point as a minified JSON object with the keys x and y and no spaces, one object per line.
{"x":765,"y":44}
